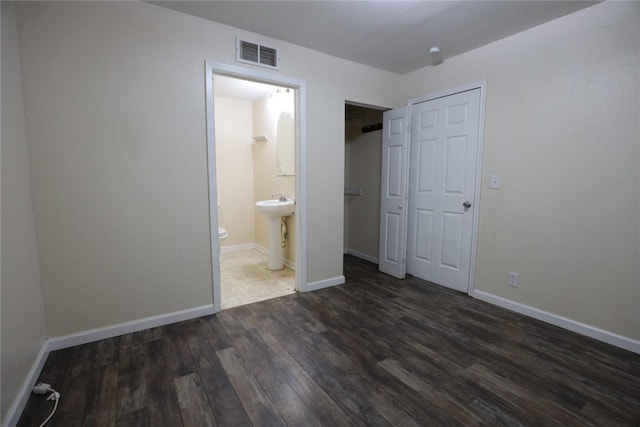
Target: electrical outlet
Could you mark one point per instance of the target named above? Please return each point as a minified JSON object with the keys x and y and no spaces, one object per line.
{"x":514,"y":279}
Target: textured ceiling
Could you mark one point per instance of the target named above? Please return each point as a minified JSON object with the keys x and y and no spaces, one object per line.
{"x":389,"y":35}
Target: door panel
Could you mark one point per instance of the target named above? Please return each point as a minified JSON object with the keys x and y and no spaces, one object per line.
{"x":424,"y":227}
{"x":391,"y":258}
{"x":452,"y":224}
{"x":394,"y":167}
{"x":457,"y":114}
{"x":393,"y":231}
{"x":443,"y":159}
{"x":455,"y":165}
{"x":427,"y":175}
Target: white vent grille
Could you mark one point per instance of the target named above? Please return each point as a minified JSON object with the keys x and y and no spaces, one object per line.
{"x":256,"y":54}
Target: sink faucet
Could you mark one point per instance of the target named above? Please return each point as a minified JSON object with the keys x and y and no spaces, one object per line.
{"x":281,"y":197}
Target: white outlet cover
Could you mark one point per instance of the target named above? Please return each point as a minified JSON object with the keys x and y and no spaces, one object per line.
{"x":514,"y":279}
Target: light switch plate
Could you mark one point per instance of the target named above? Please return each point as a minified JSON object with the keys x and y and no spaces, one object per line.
{"x":514,"y":279}
{"x":495,"y":182}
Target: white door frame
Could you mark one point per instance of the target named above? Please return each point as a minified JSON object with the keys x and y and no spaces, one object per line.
{"x":210,"y":69}
{"x":476,"y":206}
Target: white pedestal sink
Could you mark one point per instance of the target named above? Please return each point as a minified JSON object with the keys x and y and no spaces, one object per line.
{"x":274,"y":210}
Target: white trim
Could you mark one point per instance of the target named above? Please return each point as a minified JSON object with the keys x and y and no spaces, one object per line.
{"x":15,"y":410}
{"x":477,"y":190}
{"x":289,"y":264}
{"x":214,"y":241}
{"x":447,"y":92}
{"x":111,"y":331}
{"x":241,"y":247}
{"x":265,"y":251}
{"x":561,"y":321}
{"x":258,"y":247}
{"x":326,"y":283}
{"x":268,"y":77}
{"x":362,"y":255}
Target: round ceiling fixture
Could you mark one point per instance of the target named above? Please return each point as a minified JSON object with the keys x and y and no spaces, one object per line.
{"x":434,"y":50}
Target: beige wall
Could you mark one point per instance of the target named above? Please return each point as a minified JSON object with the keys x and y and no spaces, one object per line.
{"x":234,"y":167}
{"x":363,"y":171}
{"x":118,"y":154}
{"x":22,"y":313}
{"x":264,"y":155}
{"x":562,"y":128}
{"x":267,"y":183}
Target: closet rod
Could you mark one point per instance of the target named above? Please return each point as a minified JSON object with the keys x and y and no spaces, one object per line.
{"x":349,"y":191}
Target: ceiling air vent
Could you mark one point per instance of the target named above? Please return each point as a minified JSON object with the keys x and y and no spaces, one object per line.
{"x":256,"y":54}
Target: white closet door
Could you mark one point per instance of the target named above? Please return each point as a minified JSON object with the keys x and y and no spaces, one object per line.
{"x":392,"y":248}
{"x":443,"y":162}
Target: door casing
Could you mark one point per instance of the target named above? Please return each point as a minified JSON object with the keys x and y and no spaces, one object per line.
{"x":212,"y":68}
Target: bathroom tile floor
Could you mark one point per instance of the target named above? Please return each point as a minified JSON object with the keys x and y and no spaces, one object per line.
{"x":245,"y":278}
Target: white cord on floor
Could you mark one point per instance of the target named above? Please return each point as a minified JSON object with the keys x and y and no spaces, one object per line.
{"x":55,"y":396}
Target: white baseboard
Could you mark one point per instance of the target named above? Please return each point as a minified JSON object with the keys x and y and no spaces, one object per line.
{"x":362,"y":255}
{"x":563,"y":322}
{"x":321,"y":284}
{"x":232,"y":248}
{"x":258,"y":247}
{"x":265,"y":251}
{"x":15,"y":410}
{"x":111,"y":331}
{"x":289,"y":264}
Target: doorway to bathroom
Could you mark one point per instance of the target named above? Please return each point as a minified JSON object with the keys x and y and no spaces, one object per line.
{"x":253,"y":134}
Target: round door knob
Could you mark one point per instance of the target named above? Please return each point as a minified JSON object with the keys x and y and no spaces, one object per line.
{"x":400,"y":207}
{"x":467,"y":204}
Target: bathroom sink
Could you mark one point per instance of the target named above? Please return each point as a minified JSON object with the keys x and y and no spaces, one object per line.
{"x":275,"y":208}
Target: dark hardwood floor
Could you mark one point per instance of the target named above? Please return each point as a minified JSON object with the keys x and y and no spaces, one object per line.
{"x":376,"y":351}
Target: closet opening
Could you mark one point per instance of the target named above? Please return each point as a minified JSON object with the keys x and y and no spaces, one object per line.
{"x":363,"y":157}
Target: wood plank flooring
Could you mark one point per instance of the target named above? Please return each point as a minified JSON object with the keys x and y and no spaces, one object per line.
{"x":375,"y":351}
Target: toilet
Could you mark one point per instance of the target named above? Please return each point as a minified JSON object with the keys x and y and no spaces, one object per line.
{"x":222,"y":233}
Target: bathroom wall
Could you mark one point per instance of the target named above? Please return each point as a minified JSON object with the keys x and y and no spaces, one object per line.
{"x":234,"y":163}
{"x":267,"y":183}
{"x":22,"y":321}
{"x":363,"y":164}
{"x":562,"y":128}
{"x":246,"y":171}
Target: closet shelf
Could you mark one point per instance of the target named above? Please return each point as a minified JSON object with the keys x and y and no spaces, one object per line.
{"x":352,"y":191}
